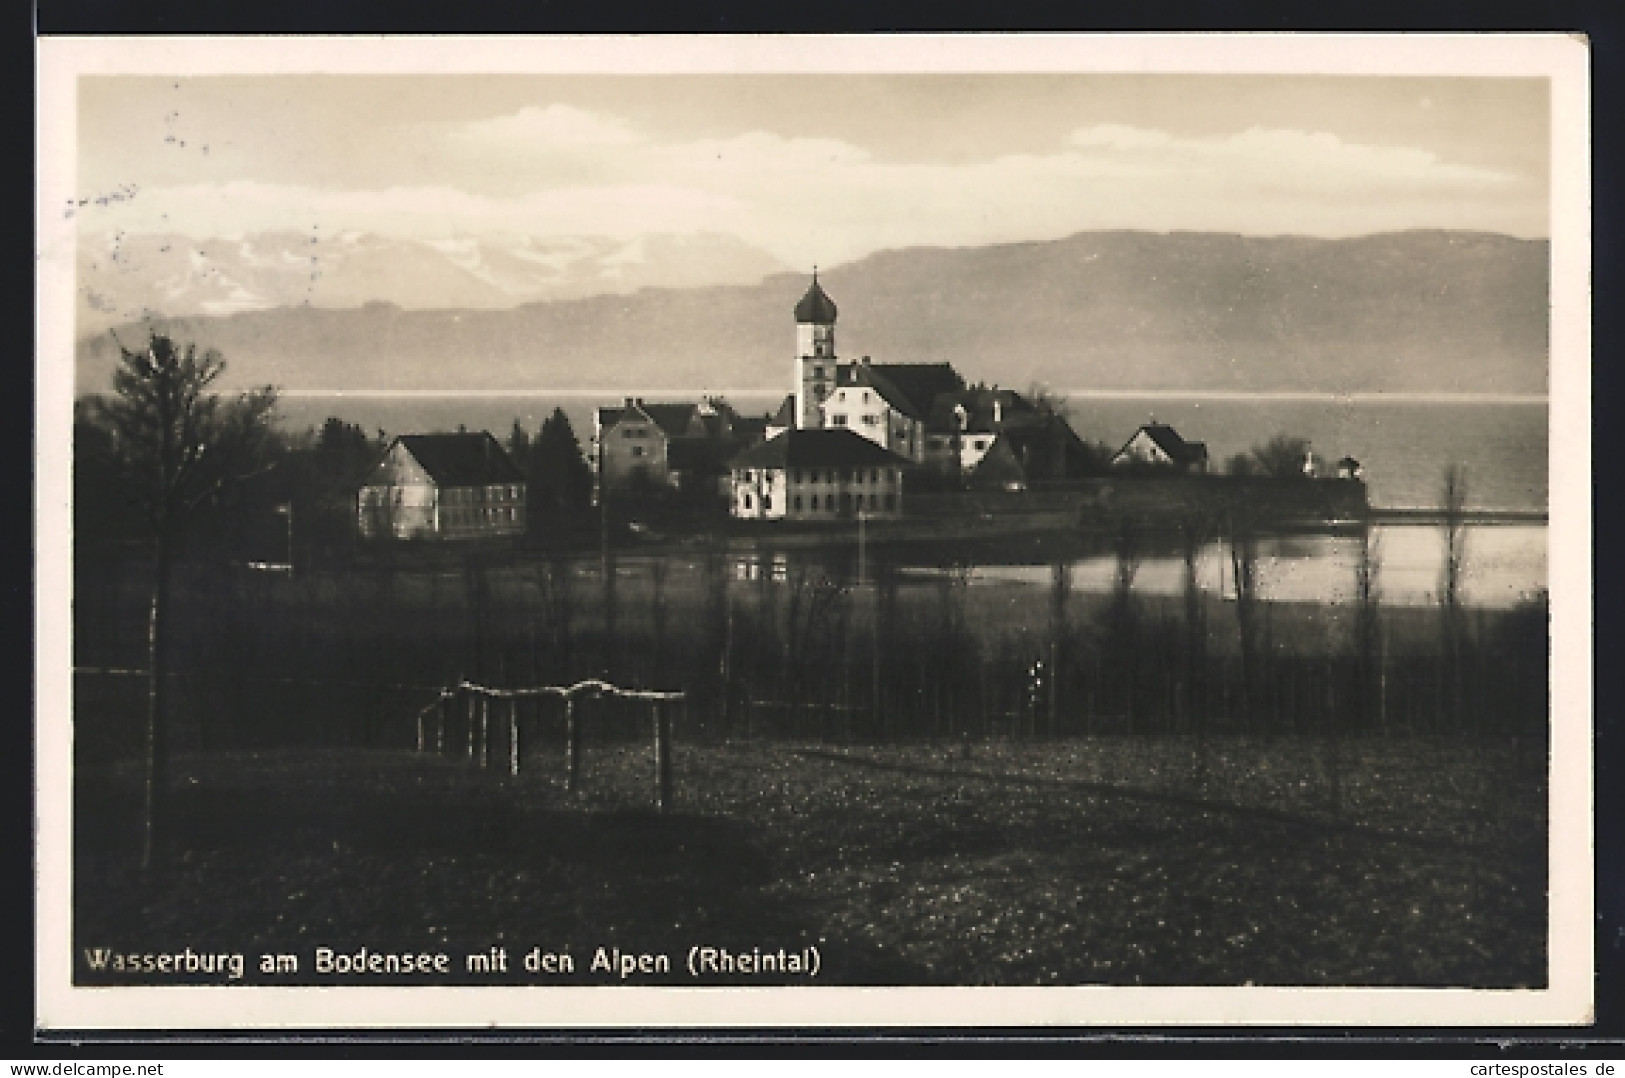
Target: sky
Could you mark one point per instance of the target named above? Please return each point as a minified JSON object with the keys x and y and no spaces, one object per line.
{"x":811,"y":169}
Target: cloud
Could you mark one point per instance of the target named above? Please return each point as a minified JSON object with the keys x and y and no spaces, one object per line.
{"x":1278,"y":153}
{"x":549,"y":127}
{"x":571,"y":172}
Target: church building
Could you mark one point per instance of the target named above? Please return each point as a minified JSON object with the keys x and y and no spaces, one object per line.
{"x":922,"y":413}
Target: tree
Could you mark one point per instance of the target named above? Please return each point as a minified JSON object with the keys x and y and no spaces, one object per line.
{"x":1242,"y":466}
{"x":1047,"y":402}
{"x":1452,"y":518}
{"x":1282,"y":456}
{"x":518,"y":442}
{"x":176,"y":448}
{"x":559,"y":477}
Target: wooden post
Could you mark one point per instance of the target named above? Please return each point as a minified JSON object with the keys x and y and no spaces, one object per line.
{"x":513,"y":736}
{"x":443,"y":713}
{"x":662,"y":719}
{"x":468,"y":717}
{"x":572,"y":744}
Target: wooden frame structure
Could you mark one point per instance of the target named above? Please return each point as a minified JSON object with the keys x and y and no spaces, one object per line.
{"x":477,"y":719}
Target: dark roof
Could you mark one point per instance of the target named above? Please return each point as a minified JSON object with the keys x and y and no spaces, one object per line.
{"x":786,"y":415}
{"x":608,"y":417}
{"x":809,"y":448}
{"x":462,"y":460}
{"x":673,"y":419}
{"x":999,"y":466}
{"x":749,"y":429}
{"x":700,"y":455}
{"x":911,"y":388}
{"x":815,"y":306}
{"x":1168,"y":440}
{"x":1014,"y":410}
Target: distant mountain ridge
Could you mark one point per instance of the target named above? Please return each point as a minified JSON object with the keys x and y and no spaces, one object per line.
{"x":1426,"y":311}
{"x":125,"y":277}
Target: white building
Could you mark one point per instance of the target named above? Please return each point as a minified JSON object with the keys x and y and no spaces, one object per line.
{"x":1157,"y":445}
{"x":816,"y":475}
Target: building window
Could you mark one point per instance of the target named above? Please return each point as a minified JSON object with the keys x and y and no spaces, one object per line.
{"x":813,"y":479}
{"x":767,"y":503}
{"x":980,"y":443}
{"x":637,"y":451}
{"x":795,"y":477}
{"x":891,"y":501}
{"x":797,"y":503}
{"x":747,"y":501}
{"x":838,"y":420}
{"x":874,"y":475}
{"x":871,"y":421}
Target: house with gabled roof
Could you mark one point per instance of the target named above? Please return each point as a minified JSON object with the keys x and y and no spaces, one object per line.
{"x":442,"y":486}
{"x":810,"y":474}
{"x":631,"y":445}
{"x":889,"y":403}
{"x":1157,"y":445}
{"x":657,"y":445}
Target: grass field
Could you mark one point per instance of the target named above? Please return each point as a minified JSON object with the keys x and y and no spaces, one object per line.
{"x":1120,"y":861}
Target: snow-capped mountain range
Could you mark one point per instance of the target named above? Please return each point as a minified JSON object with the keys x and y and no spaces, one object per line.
{"x":126,"y":277}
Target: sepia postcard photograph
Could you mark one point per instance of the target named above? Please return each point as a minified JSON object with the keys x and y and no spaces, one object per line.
{"x":813,"y":532}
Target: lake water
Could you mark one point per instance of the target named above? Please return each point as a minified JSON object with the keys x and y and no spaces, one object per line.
{"x":1504,"y":565}
{"x":1403,"y":444}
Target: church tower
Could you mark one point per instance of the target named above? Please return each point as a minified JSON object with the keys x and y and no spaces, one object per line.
{"x":815,"y":354}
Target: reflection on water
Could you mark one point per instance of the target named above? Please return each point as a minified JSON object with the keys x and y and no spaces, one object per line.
{"x":1504,"y":564}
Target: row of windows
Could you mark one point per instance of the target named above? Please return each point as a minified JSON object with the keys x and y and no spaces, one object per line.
{"x":848,"y":503}
{"x":462,"y":517}
{"x":396,"y":495}
{"x":834,"y":475}
{"x":464,"y":495}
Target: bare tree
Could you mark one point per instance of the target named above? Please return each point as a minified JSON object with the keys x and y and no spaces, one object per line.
{"x":1244,"y":578}
{"x":1123,"y":624}
{"x":1452,"y":518}
{"x":1060,"y":592}
{"x":1369,"y":665}
{"x":1195,"y":530}
{"x":176,"y":447}
{"x":1048,"y":402}
{"x":1282,"y":457}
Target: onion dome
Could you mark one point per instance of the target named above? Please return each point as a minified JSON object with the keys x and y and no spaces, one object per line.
{"x":816,"y":306}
